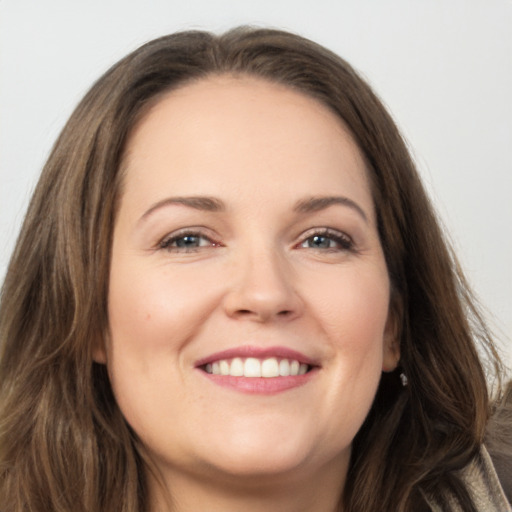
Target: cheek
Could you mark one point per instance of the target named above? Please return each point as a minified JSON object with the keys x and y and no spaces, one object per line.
{"x":152,"y":316}
{"x":353,"y":308}
{"x":353,"y":316}
{"x":156,"y":309}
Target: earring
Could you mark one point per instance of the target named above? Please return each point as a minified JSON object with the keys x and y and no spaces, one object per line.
{"x":404,"y":379}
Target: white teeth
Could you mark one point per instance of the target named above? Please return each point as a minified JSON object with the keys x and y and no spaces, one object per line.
{"x":270,"y":368}
{"x":224,"y":367}
{"x":252,"y":367}
{"x":284,"y":367}
{"x":237,"y":367}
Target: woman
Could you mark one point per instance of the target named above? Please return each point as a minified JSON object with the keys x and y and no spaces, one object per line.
{"x":231,"y":293}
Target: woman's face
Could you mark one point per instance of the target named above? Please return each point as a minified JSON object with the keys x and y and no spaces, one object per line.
{"x":246,"y":253}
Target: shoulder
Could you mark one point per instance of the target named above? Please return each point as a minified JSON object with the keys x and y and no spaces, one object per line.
{"x":488,"y":476}
{"x":499,"y":440}
{"x":482,"y":484}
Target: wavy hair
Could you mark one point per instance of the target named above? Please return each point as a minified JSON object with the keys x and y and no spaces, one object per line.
{"x":64,"y":444}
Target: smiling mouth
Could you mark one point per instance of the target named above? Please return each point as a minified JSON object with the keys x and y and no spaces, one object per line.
{"x":253,"y":367}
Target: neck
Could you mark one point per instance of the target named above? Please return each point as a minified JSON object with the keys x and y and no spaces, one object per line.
{"x":317,"y":492}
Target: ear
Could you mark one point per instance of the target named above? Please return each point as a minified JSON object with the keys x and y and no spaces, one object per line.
{"x":99,"y":349}
{"x":391,"y":338}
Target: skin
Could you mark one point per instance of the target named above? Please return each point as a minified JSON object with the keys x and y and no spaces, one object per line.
{"x":256,"y":276}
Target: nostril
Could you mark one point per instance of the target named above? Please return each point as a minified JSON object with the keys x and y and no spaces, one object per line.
{"x":262,"y":315}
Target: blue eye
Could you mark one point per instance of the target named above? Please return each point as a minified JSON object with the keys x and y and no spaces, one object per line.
{"x":328,"y":240}
{"x":186,"y":242}
{"x":319,"y":242}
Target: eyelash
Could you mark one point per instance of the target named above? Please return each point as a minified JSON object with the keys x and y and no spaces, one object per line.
{"x":167,"y":242}
{"x":343,"y":241}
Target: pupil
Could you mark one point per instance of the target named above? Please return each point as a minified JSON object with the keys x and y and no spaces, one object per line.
{"x":187,"y":241}
{"x":320,"y":241}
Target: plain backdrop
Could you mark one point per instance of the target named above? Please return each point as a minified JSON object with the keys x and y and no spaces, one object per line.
{"x":443,"y":67}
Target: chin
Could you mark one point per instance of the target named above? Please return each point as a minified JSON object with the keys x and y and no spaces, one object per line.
{"x":262,"y":463}
{"x":262,"y":456}
{"x":257,"y":470}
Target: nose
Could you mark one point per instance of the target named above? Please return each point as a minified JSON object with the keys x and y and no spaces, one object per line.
{"x":262,"y":289}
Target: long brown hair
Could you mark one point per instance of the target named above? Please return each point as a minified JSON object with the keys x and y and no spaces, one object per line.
{"x":64,"y":444}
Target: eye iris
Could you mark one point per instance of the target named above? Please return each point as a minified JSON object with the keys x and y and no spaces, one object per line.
{"x":321,"y":242}
{"x":188,"y":241}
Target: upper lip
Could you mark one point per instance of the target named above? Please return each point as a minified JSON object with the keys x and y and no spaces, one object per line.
{"x":245,"y":351}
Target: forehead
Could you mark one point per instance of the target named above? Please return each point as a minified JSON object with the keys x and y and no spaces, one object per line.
{"x":226,"y":128}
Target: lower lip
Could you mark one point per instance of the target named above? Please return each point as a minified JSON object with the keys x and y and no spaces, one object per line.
{"x":261,"y":385}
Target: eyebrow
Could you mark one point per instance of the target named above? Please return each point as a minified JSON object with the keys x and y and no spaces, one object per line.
{"x":208,"y":204}
{"x":212,"y":204}
{"x":315,"y":204}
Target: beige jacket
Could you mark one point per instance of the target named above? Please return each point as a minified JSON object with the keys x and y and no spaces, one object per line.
{"x":483,"y":486}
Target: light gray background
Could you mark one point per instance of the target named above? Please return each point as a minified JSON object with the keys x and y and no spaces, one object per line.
{"x":443,"y":67}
